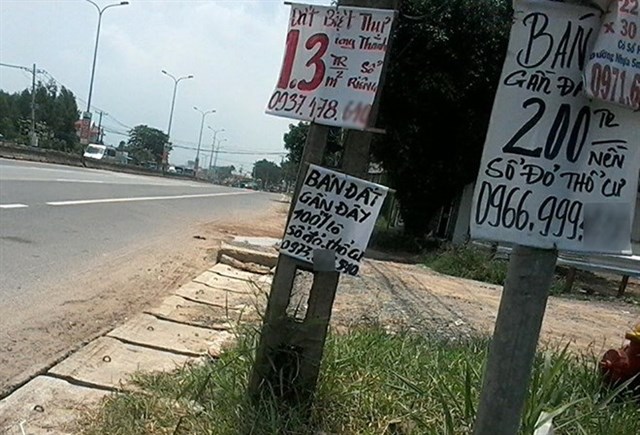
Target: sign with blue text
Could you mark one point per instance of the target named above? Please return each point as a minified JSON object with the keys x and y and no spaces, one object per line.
{"x":334,"y":212}
{"x":558,"y":170}
{"x":332,"y":64}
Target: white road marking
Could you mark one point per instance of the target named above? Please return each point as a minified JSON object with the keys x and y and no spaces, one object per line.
{"x":143,"y":198}
{"x":9,"y":206}
{"x":76,"y":180}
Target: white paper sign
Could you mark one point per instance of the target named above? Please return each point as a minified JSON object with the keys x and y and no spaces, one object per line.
{"x":557,"y":170}
{"x":332,"y":63}
{"x":336,"y":212}
{"x":613,"y":71}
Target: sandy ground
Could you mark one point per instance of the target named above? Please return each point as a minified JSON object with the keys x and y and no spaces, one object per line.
{"x":113,"y":289}
{"x":395,"y":294}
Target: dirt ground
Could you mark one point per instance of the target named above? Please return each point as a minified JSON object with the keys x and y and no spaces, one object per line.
{"x":86,"y":307}
{"x":404,"y":296}
{"x":393,"y":293}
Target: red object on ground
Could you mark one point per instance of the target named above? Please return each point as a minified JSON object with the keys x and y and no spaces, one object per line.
{"x":620,"y":365}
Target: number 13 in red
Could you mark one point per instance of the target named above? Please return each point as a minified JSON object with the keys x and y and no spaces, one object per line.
{"x":319,"y":40}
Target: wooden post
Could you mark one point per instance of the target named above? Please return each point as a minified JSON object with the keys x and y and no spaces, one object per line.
{"x":513,"y":347}
{"x":623,"y":286}
{"x":290,"y":351}
{"x":569,"y":280}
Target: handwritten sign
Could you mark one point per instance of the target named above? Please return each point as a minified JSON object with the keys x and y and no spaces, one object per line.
{"x":557,"y":170}
{"x":613,"y":71}
{"x":332,"y":64}
{"x":335,"y":212}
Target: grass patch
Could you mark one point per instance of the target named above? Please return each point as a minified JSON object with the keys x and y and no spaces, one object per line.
{"x":370,"y":381}
{"x":468,"y":262}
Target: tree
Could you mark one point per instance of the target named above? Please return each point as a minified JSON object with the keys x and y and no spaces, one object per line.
{"x":295,"y":138}
{"x":146,"y":144}
{"x":267,"y":172}
{"x":56,"y":113}
{"x":443,"y":73}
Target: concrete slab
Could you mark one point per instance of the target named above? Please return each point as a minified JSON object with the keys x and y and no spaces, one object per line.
{"x":222,"y":298}
{"x":232,"y":272}
{"x":231,"y":284}
{"x":109,"y":362}
{"x":46,"y":405}
{"x":179,"y":309}
{"x":265,"y":256}
{"x":263,"y":242}
{"x":147,"y":330}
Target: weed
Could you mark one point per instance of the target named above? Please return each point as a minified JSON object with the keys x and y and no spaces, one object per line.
{"x":371,"y":380}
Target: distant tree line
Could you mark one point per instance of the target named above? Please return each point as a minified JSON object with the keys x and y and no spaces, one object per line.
{"x":56,"y":112}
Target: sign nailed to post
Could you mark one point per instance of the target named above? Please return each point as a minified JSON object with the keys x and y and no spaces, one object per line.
{"x":613,"y":71}
{"x":332,"y":64}
{"x":333,"y":212}
{"x":558,"y":171}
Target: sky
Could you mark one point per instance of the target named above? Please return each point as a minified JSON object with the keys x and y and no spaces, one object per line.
{"x":233,"y":48}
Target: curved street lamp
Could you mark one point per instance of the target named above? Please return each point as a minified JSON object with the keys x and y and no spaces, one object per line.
{"x":173,"y":99}
{"x":95,"y":50}
{"x":204,"y":114}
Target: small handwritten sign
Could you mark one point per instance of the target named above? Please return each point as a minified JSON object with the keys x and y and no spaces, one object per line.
{"x":334,"y":212}
{"x":613,"y":71}
{"x":332,"y":64}
{"x":557,"y":170}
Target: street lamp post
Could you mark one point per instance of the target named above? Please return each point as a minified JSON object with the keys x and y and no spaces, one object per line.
{"x":95,"y":50}
{"x":215,"y":162}
{"x":213,"y":143}
{"x":165,"y":155}
{"x":204,"y":114}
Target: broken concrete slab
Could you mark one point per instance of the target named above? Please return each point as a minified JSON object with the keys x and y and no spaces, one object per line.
{"x":267,"y":258}
{"x":240,"y":266}
{"x":233,"y":272}
{"x":178,"y":309}
{"x":46,"y":405}
{"x":109,"y":363}
{"x":198,"y":292}
{"x":217,"y":281}
{"x":147,"y":330}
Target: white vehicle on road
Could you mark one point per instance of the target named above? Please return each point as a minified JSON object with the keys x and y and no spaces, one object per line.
{"x":104,"y":153}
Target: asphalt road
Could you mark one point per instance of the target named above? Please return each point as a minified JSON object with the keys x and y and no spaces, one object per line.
{"x":56,"y":220}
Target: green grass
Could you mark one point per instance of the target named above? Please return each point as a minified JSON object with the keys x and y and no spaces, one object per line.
{"x":370,"y":381}
{"x":468,"y":261}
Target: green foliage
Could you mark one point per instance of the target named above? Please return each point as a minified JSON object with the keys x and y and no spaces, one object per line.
{"x":469,"y":262}
{"x":443,"y":73}
{"x":371,"y":382}
{"x":56,"y":113}
{"x":294,"y":141}
{"x":269,"y":173}
{"x":146,"y":144}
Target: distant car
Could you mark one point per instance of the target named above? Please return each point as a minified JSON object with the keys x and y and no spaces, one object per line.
{"x":172,"y":170}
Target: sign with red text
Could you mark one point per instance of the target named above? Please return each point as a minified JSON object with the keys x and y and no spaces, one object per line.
{"x":613,"y":71}
{"x":334,"y":211}
{"x":332,"y":64}
{"x":558,"y":170}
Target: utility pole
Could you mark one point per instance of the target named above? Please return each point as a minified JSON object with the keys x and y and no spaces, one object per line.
{"x":33,"y":135}
{"x":100,"y":135}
